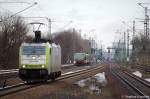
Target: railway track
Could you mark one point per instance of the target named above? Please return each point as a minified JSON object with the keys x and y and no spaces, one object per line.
{"x":144,"y":68}
{"x":24,"y":86}
{"x":5,"y":75}
{"x":10,"y":71}
{"x":139,"y":87}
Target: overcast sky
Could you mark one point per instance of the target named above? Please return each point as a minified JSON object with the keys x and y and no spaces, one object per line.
{"x":99,"y":17}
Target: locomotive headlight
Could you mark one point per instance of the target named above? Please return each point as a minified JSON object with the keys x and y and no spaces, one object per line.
{"x":33,"y":57}
{"x":24,"y":66}
{"x":42,"y":66}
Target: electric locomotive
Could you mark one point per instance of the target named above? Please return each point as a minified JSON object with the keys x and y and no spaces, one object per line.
{"x":39,"y":60}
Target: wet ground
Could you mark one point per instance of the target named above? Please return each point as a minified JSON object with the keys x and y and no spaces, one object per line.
{"x":145,"y":76}
{"x":15,"y":80}
{"x":94,"y":84}
{"x":98,"y":85}
{"x":139,"y":73}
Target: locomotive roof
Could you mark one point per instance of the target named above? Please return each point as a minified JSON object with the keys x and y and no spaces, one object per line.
{"x":40,"y":44}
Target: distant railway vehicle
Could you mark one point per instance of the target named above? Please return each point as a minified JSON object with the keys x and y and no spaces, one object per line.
{"x":82,"y":59}
{"x":39,"y":60}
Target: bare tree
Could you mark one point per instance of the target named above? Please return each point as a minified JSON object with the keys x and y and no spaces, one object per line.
{"x":141,"y":51}
{"x":70,"y":42}
{"x":12,"y":34}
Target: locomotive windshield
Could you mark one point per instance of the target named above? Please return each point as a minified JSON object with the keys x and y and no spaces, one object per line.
{"x":34,"y":50}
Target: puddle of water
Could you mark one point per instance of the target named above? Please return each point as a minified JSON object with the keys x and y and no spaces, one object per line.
{"x":137,"y":73}
{"x":93,"y":84}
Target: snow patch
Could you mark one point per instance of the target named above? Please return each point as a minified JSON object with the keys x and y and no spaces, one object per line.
{"x":81,"y":83}
{"x":94,"y":83}
{"x":147,"y":79}
{"x":101,"y":78}
{"x":137,"y":73}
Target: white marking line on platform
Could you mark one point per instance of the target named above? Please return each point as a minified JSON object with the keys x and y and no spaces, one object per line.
{"x":8,"y":72}
{"x":73,"y":71}
{"x":66,"y":65}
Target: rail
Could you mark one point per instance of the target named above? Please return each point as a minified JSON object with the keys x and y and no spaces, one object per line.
{"x":23,"y":86}
{"x":138,"y":85}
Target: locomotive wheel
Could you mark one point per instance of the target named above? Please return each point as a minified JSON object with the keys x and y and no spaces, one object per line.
{"x":53,"y":76}
{"x":29,"y":82}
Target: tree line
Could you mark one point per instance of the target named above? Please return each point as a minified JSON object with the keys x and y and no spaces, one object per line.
{"x":140,"y":51}
{"x":71,"y":42}
{"x":13,"y":32}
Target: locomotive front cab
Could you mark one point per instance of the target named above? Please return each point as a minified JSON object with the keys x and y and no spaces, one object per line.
{"x":33,"y":61}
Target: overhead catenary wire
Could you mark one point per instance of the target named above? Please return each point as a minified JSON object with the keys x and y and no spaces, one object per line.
{"x":35,"y":3}
{"x":16,"y":2}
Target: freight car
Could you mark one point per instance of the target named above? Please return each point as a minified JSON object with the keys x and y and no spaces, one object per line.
{"x":82,"y":59}
{"x":39,"y":60}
